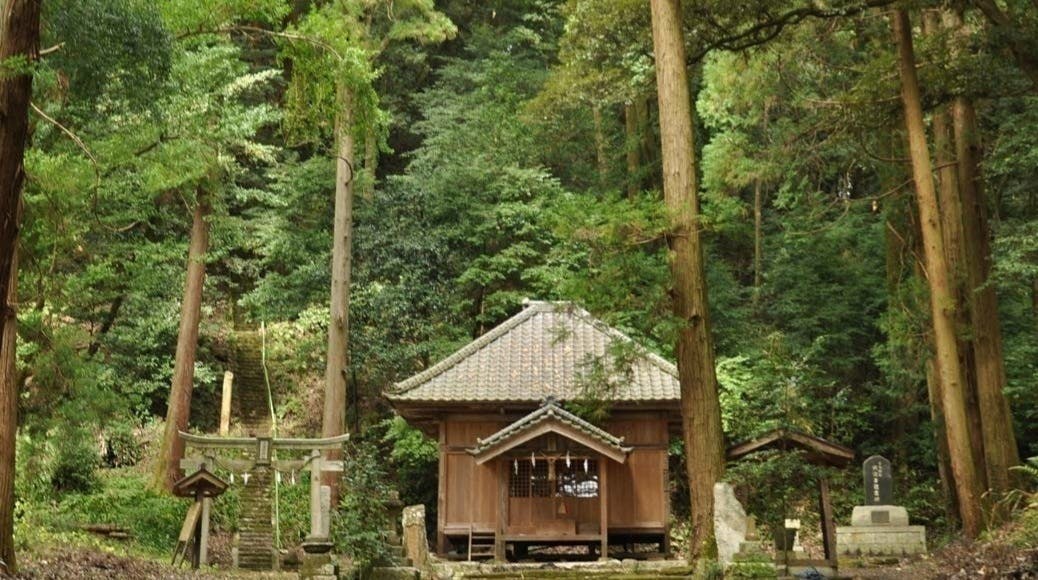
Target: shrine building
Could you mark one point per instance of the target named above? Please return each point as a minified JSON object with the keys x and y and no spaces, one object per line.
{"x":517,"y":470}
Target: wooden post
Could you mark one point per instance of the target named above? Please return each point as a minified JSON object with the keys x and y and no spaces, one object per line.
{"x":828,"y":525}
{"x":203,"y":548}
{"x":603,"y":501}
{"x":316,"y":517}
{"x":502,"y":510}
{"x":441,"y":494}
{"x":225,"y":403}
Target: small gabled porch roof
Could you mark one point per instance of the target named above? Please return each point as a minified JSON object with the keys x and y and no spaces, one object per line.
{"x":550,"y":418}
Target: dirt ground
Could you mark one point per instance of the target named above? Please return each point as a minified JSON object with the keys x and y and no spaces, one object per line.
{"x":957,"y":561}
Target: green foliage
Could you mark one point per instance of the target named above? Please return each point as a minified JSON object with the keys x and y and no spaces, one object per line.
{"x":124,"y":447}
{"x":75,"y":465}
{"x":753,"y":567}
{"x":122,"y":497}
{"x":362,"y":522}
{"x":112,"y":52}
{"x":414,"y":457}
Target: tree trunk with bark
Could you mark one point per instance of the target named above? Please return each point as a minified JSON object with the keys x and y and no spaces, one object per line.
{"x":942,"y":297}
{"x":1000,"y":450}
{"x":9,"y":385}
{"x":338,"y":361}
{"x":700,"y":408}
{"x":179,"y":411}
{"x":950,"y":205}
{"x":19,"y":38}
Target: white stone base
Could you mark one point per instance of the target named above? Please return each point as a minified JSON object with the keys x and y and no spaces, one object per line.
{"x":879,"y":515}
{"x":880,"y":540}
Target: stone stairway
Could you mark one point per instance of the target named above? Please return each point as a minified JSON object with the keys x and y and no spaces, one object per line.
{"x":255,"y":526}
{"x":256,"y":531}
{"x":250,"y":388}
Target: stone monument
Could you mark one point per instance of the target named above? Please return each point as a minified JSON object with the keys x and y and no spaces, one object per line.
{"x":729,"y":522}
{"x":879,"y":528}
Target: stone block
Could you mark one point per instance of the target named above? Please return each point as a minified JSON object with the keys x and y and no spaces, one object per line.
{"x":879,"y":515}
{"x":880,"y":540}
{"x":317,"y":566}
{"x":394,"y":573}
{"x":729,"y":522}
{"x":416,"y":545}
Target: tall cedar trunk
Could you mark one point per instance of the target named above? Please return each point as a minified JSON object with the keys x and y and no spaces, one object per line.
{"x":1000,"y":448}
{"x":179,"y":411}
{"x":944,"y":469}
{"x":936,"y":395}
{"x":19,"y":37}
{"x":335,"y":375}
{"x":601,"y":161}
{"x":633,"y":148}
{"x":955,"y":254}
{"x":700,"y":408}
{"x":942,"y":298}
{"x":8,"y":422}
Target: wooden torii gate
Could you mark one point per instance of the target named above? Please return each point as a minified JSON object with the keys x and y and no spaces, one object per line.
{"x":260,"y":452}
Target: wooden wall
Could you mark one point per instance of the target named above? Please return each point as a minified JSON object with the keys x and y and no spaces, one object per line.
{"x":638,"y":490}
{"x":637,"y":494}
{"x":468,"y":492}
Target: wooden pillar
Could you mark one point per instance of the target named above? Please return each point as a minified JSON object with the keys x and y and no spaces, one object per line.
{"x":603,"y":501}
{"x":225,"y":403}
{"x":828,"y":524}
{"x":441,"y":494}
{"x":502,"y":510}
{"x":665,"y":494}
{"x":316,"y":517}
{"x":203,"y":548}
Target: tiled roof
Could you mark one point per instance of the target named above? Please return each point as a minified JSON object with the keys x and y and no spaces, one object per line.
{"x":547,"y":350}
{"x":550,"y":410}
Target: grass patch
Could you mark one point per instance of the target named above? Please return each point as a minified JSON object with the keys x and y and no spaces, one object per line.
{"x":122,"y":497}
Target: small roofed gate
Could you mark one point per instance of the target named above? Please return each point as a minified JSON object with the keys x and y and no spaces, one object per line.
{"x":552,"y":479}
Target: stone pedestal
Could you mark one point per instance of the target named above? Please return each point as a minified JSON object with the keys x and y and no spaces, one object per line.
{"x":318,"y":567}
{"x":879,"y":515}
{"x":880,"y":530}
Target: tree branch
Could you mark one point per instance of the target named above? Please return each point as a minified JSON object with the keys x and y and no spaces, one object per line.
{"x":767,"y":30}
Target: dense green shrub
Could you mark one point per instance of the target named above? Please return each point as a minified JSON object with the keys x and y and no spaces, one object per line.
{"x":124,"y":498}
{"x":124,"y":445}
{"x":74,"y":469}
{"x":294,"y":509}
{"x":360,"y":526}
{"x":414,"y":458}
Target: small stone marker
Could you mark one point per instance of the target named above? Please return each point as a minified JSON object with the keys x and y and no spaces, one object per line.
{"x":416,"y":548}
{"x":879,"y":483}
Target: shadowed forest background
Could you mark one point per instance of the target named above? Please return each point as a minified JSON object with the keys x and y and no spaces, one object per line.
{"x":500,"y":150}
